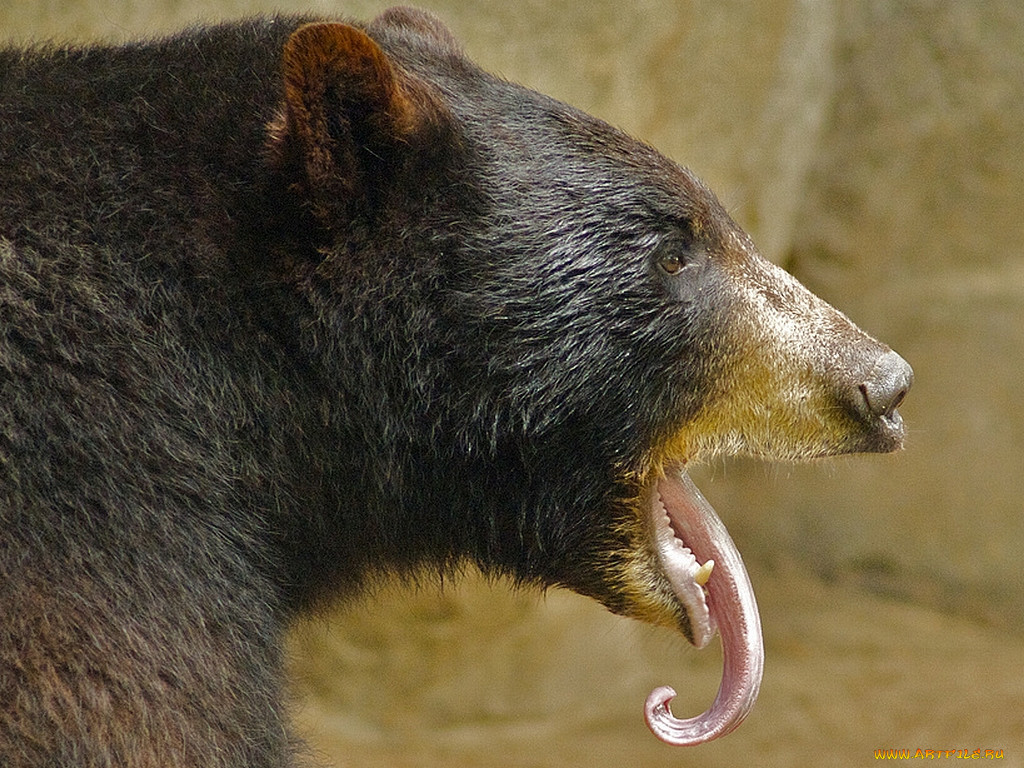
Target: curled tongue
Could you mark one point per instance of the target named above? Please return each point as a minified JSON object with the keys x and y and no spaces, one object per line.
{"x":730,"y":605}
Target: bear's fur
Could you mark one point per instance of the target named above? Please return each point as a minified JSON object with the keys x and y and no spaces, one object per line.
{"x":286,"y":305}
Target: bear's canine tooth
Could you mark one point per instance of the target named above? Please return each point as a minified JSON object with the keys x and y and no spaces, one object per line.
{"x":704,"y":573}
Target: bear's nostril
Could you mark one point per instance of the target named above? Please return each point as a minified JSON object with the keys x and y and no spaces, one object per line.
{"x":887,"y":385}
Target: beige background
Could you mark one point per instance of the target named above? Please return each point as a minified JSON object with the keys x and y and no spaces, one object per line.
{"x":876,"y":149}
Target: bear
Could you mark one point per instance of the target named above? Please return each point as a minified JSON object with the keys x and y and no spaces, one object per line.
{"x":292,"y":304}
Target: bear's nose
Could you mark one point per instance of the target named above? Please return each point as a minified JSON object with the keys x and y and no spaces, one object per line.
{"x":886,"y":385}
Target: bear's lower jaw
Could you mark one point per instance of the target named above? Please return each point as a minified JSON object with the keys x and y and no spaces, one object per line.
{"x":693,"y":533}
{"x":684,"y":572}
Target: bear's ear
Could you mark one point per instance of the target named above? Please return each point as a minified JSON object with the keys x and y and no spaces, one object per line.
{"x":351,"y":117}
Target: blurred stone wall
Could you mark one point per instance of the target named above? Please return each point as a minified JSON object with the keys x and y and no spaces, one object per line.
{"x":876,"y":149}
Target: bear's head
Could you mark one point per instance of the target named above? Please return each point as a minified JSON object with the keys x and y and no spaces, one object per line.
{"x":536,"y":323}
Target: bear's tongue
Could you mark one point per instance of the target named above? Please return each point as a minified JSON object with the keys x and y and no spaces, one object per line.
{"x":730,"y":606}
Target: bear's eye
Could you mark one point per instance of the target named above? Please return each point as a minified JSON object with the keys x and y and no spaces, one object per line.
{"x":672,"y":256}
{"x":670,"y":263}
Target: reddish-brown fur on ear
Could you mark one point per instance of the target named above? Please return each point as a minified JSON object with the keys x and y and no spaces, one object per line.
{"x":346,"y":105}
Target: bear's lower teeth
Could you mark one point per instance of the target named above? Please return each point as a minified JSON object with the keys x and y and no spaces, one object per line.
{"x":703,"y":573}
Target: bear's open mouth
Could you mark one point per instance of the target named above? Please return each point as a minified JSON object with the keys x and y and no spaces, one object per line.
{"x":716,"y":595}
{"x":686,"y":575}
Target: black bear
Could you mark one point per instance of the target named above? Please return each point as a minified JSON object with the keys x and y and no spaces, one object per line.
{"x":289,"y":304}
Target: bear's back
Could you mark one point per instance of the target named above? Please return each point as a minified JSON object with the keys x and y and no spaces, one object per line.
{"x":109,"y":145}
